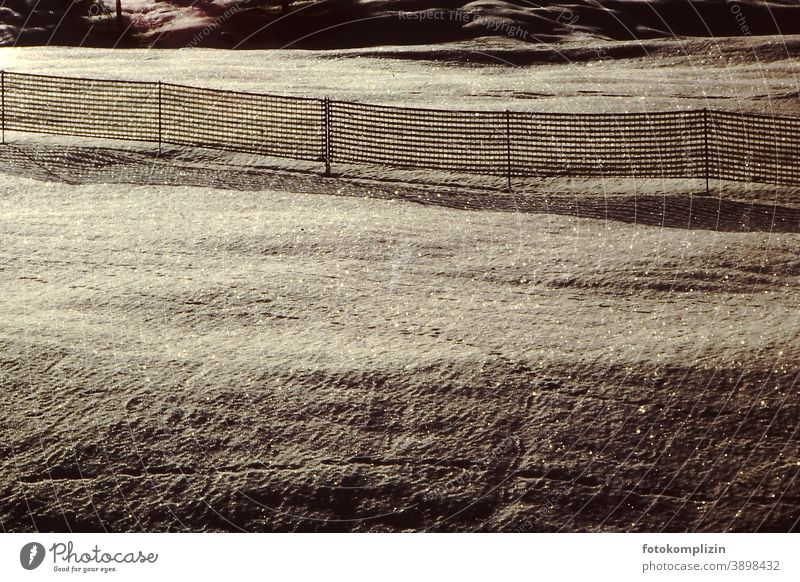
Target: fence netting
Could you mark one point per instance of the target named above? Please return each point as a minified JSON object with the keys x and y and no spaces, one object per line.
{"x":413,"y":138}
{"x":284,"y":127}
{"x":654,"y":145}
{"x":80,"y":107}
{"x":753,"y":148}
{"x":684,"y":144}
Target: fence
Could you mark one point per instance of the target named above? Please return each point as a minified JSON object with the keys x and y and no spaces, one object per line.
{"x":688,"y":144}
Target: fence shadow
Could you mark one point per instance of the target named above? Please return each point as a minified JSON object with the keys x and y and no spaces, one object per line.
{"x":82,"y":165}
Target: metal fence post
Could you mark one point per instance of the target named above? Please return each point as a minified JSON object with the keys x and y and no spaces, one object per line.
{"x":327,"y":134}
{"x":508,"y":148}
{"x":159,"y":117}
{"x":706,"y":129}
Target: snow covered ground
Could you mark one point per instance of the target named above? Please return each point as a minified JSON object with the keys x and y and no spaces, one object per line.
{"x":207,"y":342}
{"x":757,"y":74}
{"x":195,"y":358}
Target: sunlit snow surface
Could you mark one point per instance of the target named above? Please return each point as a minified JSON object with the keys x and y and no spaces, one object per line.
{"x":755,"y":74}
{"x":199,"y":341}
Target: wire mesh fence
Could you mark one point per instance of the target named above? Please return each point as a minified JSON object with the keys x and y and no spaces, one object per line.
{"x":685,"y":144}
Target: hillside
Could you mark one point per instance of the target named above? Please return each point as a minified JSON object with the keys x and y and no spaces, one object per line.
{"x":361,"y":23}
{"x":191,"y":351}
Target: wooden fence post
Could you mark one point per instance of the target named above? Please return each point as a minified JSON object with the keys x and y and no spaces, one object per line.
{"x":3,"y":98}
{"x":326,"y":104}
{"x":159,"y":117}
{"x":706,"y":129}
{"x":508,"y":148}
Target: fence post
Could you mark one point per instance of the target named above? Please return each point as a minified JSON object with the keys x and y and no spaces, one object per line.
{"x":3,"y":98}
{"x":508,"y":148}
{"x":706,"y":129}
{"x":326,"y":104}
{"x":159,"y":117}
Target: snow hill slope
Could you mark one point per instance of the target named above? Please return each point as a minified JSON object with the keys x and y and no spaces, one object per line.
{"x":351,"y":23}
{"x":190,"y":347}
